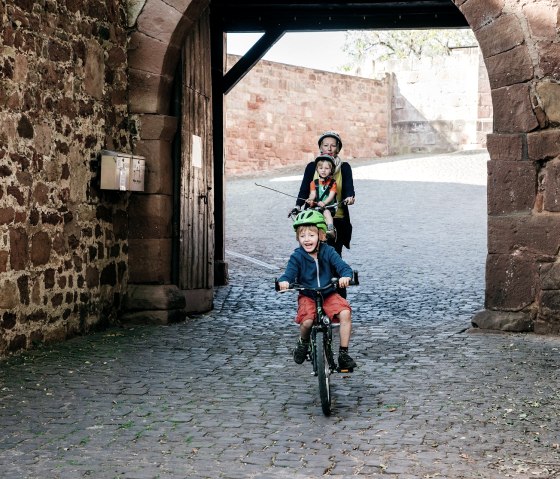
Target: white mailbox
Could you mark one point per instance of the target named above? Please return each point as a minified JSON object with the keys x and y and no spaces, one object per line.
{"x":122,"y":171}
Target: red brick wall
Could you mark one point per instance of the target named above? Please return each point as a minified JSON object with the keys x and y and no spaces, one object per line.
{"x":276,"y":113}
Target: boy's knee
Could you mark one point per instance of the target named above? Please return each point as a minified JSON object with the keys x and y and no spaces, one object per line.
{"x":345,"y":316}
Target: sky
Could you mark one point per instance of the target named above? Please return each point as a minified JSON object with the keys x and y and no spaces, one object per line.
{"x":319,"y":50}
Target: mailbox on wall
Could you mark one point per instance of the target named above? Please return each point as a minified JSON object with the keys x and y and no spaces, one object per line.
{"x":122,"y":171}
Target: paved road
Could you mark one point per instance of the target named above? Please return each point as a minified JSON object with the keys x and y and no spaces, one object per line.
{"x":218,"y":396}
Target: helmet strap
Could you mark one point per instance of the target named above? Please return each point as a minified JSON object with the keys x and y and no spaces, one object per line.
{"x":316,"y":250}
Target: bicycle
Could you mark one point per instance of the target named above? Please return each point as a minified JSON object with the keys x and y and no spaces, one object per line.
{"x":320,"y":351}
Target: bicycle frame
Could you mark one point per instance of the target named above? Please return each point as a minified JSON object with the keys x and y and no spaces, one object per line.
{"x":322,"y":324}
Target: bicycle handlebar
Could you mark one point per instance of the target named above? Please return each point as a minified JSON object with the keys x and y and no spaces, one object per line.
{"x":306,"y":206}
{"x":333,"y":282}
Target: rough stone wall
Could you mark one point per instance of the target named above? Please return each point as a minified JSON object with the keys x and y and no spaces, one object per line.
{"x":521,"y":48}
{"x":63,"y":98}
{"x":275,"y":114}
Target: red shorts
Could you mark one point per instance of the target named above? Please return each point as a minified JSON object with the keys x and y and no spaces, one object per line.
{"x":333,"y":305}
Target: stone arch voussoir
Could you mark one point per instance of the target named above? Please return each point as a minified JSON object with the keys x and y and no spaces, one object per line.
{"x":154,"y":49}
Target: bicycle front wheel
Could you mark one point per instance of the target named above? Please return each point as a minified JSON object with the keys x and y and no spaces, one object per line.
{"x":323,"y":373}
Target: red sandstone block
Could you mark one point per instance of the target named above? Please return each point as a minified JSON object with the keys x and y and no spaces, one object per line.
{"x":19,"y":249}
{"x":116,"y":57}
{"x":499,"y":36}
{"x":549,"y":55}
{"x":543,"y":145}
{"x":4,"y":256}
{"x":150,"y":261}
{"x":551,"y":185}
{"x":510,"y":281}
{"x":190,"y":9}
{"x":40,"y":248}
{"x":536,"y":233}
{"x":547,"y":325}
{"x":157,"y":127}
{"x":481,"y":12}
{"x":513,"y":112}
{"x":505,"y":146}
{"x":511,"y":186}
{"x":508,"y":68}
{"x":7,"y":215}
{"x":147,"y":53}
{"x":149,"y":216}
{"x":148,"y":93}
{"x":158,"y":20}
{"x":92,"y":277}
{"x":158,"y":176}
{"x":547,"y":321}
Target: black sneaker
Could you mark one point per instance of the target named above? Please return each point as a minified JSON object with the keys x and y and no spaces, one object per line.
{"x":300,"y":351}
{"x":345,"y":361}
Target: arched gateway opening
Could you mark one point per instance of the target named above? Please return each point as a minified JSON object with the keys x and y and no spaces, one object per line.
{"x":522,"y":52}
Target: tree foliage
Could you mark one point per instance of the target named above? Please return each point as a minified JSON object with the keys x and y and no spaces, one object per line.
{"x":380,"y":45}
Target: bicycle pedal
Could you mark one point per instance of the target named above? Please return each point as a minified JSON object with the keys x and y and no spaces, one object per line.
{"x":345,"y":370}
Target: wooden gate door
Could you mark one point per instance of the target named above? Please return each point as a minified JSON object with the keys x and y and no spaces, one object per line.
{"x":196,"y":271}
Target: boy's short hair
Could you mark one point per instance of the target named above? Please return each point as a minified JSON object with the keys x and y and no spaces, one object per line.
{"x":321,"y":161}
{"x":322,"y":234}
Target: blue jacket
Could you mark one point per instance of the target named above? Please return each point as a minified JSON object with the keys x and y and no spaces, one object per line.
{"x":304,"y":270}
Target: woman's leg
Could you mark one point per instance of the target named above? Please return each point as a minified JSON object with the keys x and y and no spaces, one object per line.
{"x":341,"y":232}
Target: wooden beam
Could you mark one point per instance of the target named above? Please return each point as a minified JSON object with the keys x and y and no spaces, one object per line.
{"x":248,"y":61}
{"x":218,"y":57}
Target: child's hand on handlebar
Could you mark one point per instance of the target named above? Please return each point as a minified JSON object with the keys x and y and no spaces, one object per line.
{"x":343,"y":282}
{"x":283,"y":285}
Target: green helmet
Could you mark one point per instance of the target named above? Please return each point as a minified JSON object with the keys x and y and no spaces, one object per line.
{"x":310,"y":218}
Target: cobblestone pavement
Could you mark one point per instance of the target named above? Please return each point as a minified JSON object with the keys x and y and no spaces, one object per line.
{"x":218,"y":395}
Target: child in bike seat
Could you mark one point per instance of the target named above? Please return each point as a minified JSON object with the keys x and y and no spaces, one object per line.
{"x":322,"y":190}
{"x":312,"y":265}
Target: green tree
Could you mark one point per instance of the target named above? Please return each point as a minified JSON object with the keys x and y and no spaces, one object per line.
{"x":380,"y":45}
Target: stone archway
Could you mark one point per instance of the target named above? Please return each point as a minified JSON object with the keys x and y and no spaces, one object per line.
{"x":153,"y":55}
{"x":521,"y":49}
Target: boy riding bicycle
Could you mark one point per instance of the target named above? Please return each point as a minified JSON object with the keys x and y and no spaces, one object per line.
{"x":312,"y":265}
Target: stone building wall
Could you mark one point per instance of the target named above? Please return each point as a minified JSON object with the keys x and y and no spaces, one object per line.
{"x":275,"y":114}
{"x":63,"y":98}
{"x":437,"y":103}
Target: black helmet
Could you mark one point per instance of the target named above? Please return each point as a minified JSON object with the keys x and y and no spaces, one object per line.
{"x":325,"y":157}
{"x":331,"y":134}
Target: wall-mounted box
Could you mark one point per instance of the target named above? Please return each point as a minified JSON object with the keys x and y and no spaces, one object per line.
{"x":122,"y":171}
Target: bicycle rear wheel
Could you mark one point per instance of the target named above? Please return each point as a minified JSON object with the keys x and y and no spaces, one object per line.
{"x":323,"y":373}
